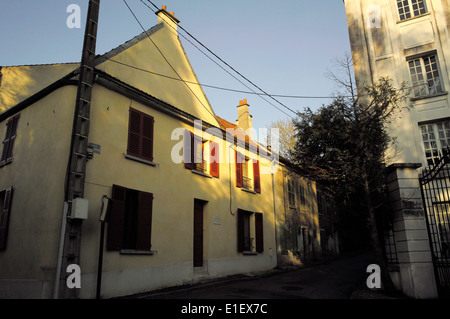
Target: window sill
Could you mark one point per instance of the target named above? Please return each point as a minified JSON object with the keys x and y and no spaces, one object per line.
{"x":4,"y":163}
{"x":428,"y":96}
{"x":140,"y":160}
{"x":248,"y":191}
{"x":194,"y":171}
{"x":249,"y":253}
{"x":136,"y":252}
{"x":413,"y":18}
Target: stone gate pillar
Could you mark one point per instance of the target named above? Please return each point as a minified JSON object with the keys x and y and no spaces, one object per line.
{"x":416,"y":274}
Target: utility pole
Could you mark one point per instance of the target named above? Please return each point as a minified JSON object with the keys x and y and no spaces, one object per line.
{"x":78,"y":155}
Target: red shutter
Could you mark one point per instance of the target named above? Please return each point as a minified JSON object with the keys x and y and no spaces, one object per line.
{"x":256,"y":177}
{"x":214,"y":159}
{"x":4,"y":217}
{"x":188,"y":150}
{"x":259,"y":232}
{"x":144,"y":221}
{"x":238,"y":159}
{"x":147,"y":137}
{"x":116,"y":218}
{"x":240,"y":230}
{"x":134,"y":133}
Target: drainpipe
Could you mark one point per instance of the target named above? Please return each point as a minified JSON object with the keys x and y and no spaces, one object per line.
{"x":275,"y":216}
{"x":60,"y":251}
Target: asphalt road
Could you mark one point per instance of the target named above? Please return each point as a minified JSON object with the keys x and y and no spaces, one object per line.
{"x":335,"y":279}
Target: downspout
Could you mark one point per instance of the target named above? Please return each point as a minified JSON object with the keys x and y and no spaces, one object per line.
{"x":60,"y":252}
{"x":275,"y":217}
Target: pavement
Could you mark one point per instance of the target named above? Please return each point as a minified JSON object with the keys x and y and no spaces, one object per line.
{"x":342,"y":277}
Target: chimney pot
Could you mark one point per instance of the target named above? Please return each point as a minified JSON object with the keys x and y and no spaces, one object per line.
{"x":171,"y":13}
{"x":164,"y":7}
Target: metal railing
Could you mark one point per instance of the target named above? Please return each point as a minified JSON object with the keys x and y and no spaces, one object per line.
{"x":246,"y":183}
{"x":428,"y":88}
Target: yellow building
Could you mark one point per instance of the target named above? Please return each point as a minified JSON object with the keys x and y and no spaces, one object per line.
{"x":188,"y":196}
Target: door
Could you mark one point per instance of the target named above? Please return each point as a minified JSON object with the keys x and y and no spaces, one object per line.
{"x":198,"y":233}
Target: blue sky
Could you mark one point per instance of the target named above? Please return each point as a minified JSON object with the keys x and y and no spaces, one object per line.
{"x":284,"y":47}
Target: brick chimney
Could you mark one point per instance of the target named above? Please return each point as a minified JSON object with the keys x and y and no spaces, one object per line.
{"x":167,"y":17}
{"x":244,"y":120}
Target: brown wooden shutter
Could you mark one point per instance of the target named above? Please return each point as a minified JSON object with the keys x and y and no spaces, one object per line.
{"x":144,"y":221}
{"x":134,"y":133}
{"x":256,"y":177}
{"x":4,"y":218}
{"x":10,"y":137}
{"x":238,"y":159}
{"x":240,"y":230}
{"x":188,"y":150}
{"x":116,"y":218}
{"x":214,"y":159}
{"x":259,"y":232}
{"x":147,"y":137}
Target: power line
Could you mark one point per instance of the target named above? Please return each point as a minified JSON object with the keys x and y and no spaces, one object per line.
{"x":222,"y":88}
{"x":162,"y":54}
{"x":229,"y":66}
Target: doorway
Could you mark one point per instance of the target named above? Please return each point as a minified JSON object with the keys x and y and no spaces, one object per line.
{"x":198,"y":232}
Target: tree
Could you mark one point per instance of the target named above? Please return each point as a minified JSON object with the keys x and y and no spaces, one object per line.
{"x":348,"y":140}
{"x":286,"y":136}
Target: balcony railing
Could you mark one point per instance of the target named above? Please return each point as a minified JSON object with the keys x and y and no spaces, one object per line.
{"x":428,"y":88}
{"x":246,"y":183}
{"x":201,"y":167}
{"x":248,"y":243}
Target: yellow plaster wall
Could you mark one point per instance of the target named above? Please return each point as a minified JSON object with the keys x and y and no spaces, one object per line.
{"x":174,"y":189}
{"x":37,"y":174}
{"x":20,"y":82}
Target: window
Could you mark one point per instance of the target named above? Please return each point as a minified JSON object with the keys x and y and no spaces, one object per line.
{"x":436,"y":139}
{"x":140,"y":135}
{"x":410,"y":8}
{"x":5,"y":205}
{"x":321,"y":204}
{"x":130,"y":220}
{"x":425,"y":76}
{"x":194,"y":151}
{"x":250,"y":238}
{"x":292,"y":186}
{"x":8,"y":142}
{"x":243,"y":176}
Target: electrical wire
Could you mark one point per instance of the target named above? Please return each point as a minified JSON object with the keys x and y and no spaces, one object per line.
{"x":162,"y":54}
{"x":219,"y":87}
{"x":228,"y":65}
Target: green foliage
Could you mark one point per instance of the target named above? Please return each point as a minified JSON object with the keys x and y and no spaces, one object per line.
{"x":347,"y":139}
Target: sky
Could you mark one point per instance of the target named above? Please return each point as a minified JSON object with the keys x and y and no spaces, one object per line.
{"x":284,"y":47}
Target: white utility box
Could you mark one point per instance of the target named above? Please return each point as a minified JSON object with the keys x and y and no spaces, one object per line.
{"x":79,"y":208}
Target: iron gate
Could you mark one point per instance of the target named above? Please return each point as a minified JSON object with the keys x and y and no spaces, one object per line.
{"x":435,"y":188}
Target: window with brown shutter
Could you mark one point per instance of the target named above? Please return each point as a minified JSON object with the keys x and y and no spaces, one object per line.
{"x":5,"y":205}
{"x":140,"y":135}
{"x":8,"y":142}
{"x":256,"y":177}
{"x":129,"y":219}
{"x":246,"y":243}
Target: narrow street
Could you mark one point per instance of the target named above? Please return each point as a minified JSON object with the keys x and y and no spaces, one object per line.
{"x":336,"y":279}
